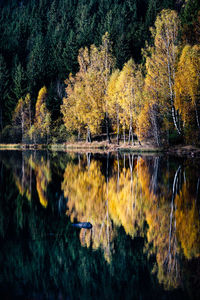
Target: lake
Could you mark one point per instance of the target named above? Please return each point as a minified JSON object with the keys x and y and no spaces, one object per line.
{"x":145,"y":216}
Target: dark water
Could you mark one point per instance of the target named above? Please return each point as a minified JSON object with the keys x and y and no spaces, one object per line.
{"x":144,"y":243}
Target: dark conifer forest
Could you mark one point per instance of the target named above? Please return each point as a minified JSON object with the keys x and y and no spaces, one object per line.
{"x":44,"y":46}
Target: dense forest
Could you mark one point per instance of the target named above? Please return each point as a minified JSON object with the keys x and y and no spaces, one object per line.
{"x":74,"y":69}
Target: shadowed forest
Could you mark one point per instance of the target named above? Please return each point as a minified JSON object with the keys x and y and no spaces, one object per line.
{"x":74,"y":70}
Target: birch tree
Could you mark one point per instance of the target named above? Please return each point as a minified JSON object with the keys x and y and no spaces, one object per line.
{"x":128,"y":97}
{"x":107,"y":63}
{"x":166,"y":51}
{"x":113,"y":104}
{"x":22,"y":116}
{"x":87,"y":90}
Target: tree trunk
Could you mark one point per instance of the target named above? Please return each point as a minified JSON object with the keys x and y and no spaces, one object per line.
{"x":117,"y":129}
{"x":138,"y":136}
{"x":30,"y":119}
{"x":170,"y":81}
{"x":107,"y":129}
{"x":129,"y":134}
{"x":155,"y":124}
{"x":130,"y":129}
{"x":124,"y":134}
{"x":22,"y":125}
{"x":79,"y":135}
{"x":175,"y":119}
{"x":88,"y":138}
{"x":132,"y":139}
{"x":197,"y":116}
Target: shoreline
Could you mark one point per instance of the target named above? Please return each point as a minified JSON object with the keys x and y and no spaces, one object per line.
{"x":104,"y":147}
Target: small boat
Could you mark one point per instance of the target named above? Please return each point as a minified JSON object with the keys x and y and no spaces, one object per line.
{"x":86,"y":225}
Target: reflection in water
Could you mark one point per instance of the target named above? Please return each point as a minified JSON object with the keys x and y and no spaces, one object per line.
{"x":155,"y":200}
{"x":43,"y":177}
{"x":86,"y":190}
{"x":132,"y":195}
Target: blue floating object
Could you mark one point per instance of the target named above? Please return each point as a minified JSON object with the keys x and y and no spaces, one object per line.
{"x":86,"y":225}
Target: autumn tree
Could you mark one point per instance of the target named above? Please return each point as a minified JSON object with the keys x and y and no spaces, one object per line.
{"x":113,"y":105}
{"x":107,"y":63}
{"x":129,"y":83}
{"x":93,"y":89}
{"x":86,"y":91}
{"x":82,"y":108}
{"x":70,"y":107}
{"x":154,"y":109}
{"x":164,"y":59}
{"x":144,"y":121}
{"x":41,"y":128}
{"x":22,"y":116}
{"x":187,"y":85}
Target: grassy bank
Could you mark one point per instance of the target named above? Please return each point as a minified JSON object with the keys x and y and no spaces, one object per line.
{"x":80,"y":146}
{"x":104,"y":147}
{"x":22,"y":147}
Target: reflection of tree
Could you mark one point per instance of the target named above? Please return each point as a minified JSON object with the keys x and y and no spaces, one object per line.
{"x":43,"y":259}
{"x":25,"y":167}
{"x":172,"y":219}
{"x":125,"y":198}
{"x":43,"y":177}
{"x":86,"y":192}
{"x":162,"y":226}
{"x":138,"y":190}
{"x":23,"y":177}
{"x":188,"y":222}
{"x":171,"y":262}
{"x":132,"y":192}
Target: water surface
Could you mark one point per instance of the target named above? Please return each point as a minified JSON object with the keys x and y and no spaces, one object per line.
{"x":145,"y":212}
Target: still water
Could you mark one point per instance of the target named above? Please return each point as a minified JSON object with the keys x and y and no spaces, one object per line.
{"x":145,"y":213}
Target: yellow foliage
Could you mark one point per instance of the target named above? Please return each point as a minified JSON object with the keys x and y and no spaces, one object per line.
{"x":188,"y":81}
{"x":86,"y":101}
{"x":86,"y":192}
{"x":188,"y":223}
{"x":43,"y":177}
{"x":42,"y":116}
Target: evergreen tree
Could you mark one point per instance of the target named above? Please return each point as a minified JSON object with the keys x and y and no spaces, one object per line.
{"x":3,"y":90}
